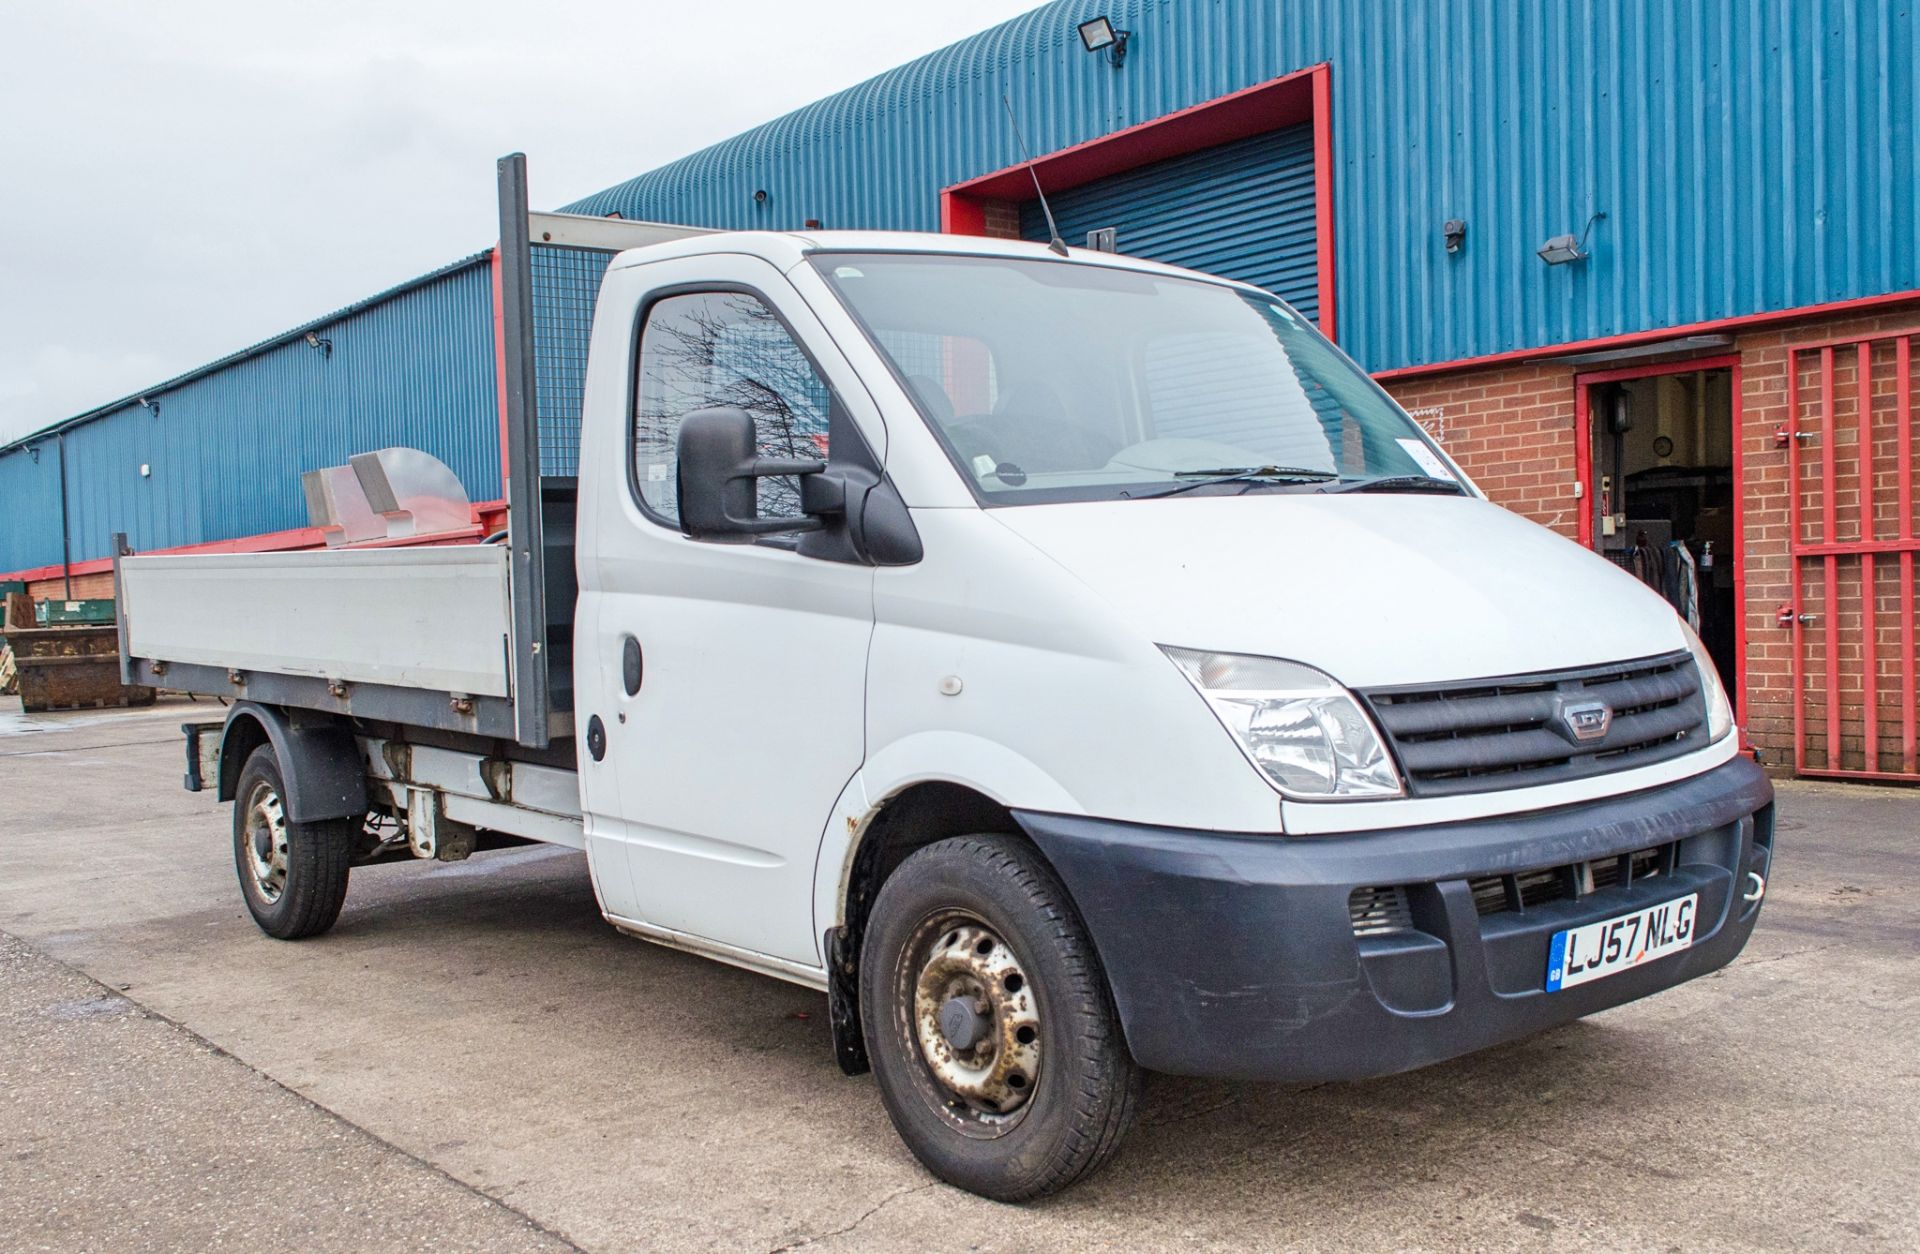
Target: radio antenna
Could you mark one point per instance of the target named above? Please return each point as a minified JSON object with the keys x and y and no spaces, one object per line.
{"x":1054,"y":241}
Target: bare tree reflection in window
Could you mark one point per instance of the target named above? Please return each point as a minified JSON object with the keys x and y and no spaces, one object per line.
{"x":724,"y":349}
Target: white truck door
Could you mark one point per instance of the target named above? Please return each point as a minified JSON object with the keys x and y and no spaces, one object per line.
{"x":722,"y":766}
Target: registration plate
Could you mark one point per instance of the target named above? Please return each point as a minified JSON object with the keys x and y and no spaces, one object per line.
{"x":1587,"y":953}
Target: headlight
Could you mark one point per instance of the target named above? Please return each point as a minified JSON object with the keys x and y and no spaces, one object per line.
{"x":1304,"y":731}
{"x":1719,"y":709}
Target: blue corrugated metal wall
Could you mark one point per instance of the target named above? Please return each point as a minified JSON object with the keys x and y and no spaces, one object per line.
{"x":29,"y":507}
{"x":226,"y":449}
{"x":1751,"y":155}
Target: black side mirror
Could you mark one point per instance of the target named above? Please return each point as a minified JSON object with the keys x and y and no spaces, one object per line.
{"x":719,"y":467}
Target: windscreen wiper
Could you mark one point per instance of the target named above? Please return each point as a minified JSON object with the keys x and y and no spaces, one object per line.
{"x":1398,"y":483}
{"x":1242,"y":474}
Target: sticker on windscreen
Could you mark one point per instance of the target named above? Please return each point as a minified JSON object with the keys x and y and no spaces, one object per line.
{"x":1426,"y":459}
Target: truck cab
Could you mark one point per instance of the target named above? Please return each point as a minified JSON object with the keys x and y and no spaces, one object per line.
{"x":1073,"y":666}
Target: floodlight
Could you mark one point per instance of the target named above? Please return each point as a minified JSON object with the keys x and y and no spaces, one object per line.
{"x":1098,"y":35}
{"x":1562,"y":249}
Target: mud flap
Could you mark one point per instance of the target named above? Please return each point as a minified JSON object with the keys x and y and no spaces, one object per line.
{"x":843,"y":1002}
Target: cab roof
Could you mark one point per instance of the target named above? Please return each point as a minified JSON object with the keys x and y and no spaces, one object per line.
{"x":786,"y":249}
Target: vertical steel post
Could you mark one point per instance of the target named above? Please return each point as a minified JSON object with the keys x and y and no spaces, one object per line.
{"x":122,"y":628}
{"x":524,"y":534}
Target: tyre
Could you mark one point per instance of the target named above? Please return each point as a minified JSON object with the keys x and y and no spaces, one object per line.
{"x":988,"y":1021}
{"x":293,"y":875}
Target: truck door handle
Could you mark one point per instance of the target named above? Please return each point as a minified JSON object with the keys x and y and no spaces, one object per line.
{"x":631,"y":670}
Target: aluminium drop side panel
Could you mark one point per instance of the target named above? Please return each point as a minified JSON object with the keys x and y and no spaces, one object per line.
{"x":433,"y":618}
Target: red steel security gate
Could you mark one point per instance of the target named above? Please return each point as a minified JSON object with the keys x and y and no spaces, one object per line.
{"x":1850,"y":510}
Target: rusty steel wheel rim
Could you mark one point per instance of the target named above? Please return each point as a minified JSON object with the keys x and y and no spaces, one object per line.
{"x":976,"y":1020}
{"x":265,"y":855}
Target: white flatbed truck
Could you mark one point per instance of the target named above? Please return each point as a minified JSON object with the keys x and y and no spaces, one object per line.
{"x":1071,"y":665}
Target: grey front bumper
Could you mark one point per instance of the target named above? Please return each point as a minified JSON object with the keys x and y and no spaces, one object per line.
{"x":1236,"y":956}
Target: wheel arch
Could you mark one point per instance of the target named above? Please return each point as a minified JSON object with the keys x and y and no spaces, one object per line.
{"x":912,"y":811}
{"x":319,"y":761}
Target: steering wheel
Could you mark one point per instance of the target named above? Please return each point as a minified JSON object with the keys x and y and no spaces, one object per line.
{"x":1029,"y":429}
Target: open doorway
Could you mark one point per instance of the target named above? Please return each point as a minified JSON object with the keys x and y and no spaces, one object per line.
{"x":1663,"y":490}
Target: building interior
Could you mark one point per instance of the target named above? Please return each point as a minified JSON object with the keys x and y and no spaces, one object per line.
{"x":1663,"y":493}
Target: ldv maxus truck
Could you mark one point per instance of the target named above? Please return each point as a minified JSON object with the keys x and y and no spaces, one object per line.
{"x":1072,"y":666}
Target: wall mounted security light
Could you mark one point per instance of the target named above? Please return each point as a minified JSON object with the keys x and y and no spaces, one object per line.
{"x":320,"y":342}
{"x":1454,"y":232}
{"x":1098,"y":35}
{"x":1562,"y":249}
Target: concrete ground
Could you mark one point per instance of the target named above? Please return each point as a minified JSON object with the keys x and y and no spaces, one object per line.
{"x":473,"y":1059}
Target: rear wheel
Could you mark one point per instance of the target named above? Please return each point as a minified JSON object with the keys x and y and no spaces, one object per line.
{"x":989,"y":1024}
{"x":293,"y":875}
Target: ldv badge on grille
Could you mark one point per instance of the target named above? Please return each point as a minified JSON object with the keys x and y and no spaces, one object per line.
{"x":1587,"y":720}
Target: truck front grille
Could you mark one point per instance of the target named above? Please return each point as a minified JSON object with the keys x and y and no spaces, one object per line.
{"x":1498,"y":894}
{"x":1519,"y":730}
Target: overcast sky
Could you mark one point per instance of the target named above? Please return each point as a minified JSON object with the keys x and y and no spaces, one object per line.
{"x":183,"y":179}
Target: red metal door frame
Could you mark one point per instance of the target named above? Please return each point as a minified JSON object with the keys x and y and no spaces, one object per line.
{"x":1306,"y":95}
{"x":1830,"y":551}
{"x":1583,"y":470}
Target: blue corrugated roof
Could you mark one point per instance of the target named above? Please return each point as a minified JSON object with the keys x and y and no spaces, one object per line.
{"x":1751,"y":155}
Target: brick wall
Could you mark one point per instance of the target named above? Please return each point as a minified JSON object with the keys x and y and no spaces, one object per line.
{"x":1002,"y":218}
{"x":1512,"y":428}
{"x":89,"y":587}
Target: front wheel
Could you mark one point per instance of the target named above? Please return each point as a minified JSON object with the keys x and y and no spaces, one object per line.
{"x":293,"y":875}
{"x":989,"y":1024}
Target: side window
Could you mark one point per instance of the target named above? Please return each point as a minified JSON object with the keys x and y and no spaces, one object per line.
{"x":723,"y":348}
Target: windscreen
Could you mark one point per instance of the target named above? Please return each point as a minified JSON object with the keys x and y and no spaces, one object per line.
{"x":1061,"y":380}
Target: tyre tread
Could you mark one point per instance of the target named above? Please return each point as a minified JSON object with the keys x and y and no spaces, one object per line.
{"x":320,"y":854}
{"x":1108,"y":1095}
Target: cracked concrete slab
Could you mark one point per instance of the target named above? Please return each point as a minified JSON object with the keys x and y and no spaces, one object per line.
{"x":480,"y":1018}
